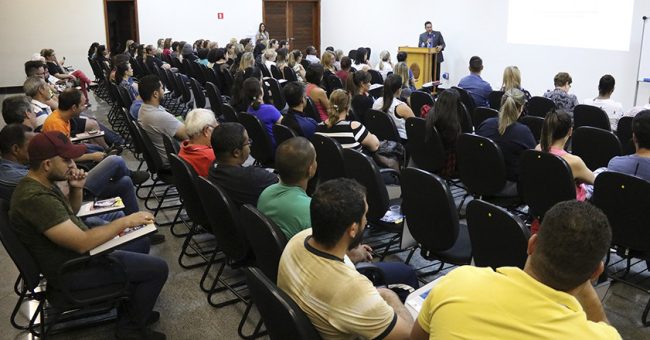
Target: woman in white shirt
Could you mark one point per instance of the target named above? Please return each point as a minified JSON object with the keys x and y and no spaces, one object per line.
{"x":396,"y":109}
{"x":385,"y":65}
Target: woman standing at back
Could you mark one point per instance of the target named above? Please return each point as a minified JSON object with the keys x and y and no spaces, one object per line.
{"x":512,"y":137}
{"x":396,"y":109}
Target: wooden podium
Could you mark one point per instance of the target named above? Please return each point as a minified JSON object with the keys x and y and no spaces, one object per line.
{"x":425,"y":58}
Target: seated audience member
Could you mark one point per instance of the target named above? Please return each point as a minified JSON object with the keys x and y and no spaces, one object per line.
{"x":286,"y":203}
{"x":119,"y":59}
{"x":266,"y":113}
{"x":37,"y":68}
{"x":633,"y":111}
{"x":294,"y":63}
{"x":152,"y":60}
{"x":269,"y":57}
{"x":350,"y":134}
{"x":385,"y":65}
{"x":512,"y":80}
{"x":55,"y":69}
{"x":314,"y":77}
{"x":556,"y":131}
{"x":396,"y":109}
{"x":344,"y":70}
{"x":197,"y":150}
{"x":55,"y":235}
{"x":604,"y":101}
{"x":217,"y":59}
{"x":401,"y":58}
{"x":102,"y":55}
{"x":327,"y":60}
{"x":124,"y":79}
{"x":478,"y":88}
{"x":237,"y":99}
{"x":311,"y":55}
{"x":281,"y":59}
{"x":444,"y":117}
{"x":551,"y":298}
{"x":202,"y":53}
{"x":167,"y":44}
{"x":40,"y":93}
{"x":563,"y":100}
{"x":313,"y":267}
{"x":18,"y":110}
{"x":358,"y":86}
{"x":188,"y":53}
{"x":408,"y":83}
{"x":512,"y":137}
{"x":637,"y":164}
{"x":294,"y":94}
{"x":155,"y":120}
{"x":361,"y":60}
{"x":232,"y":147}
{"x":338,"y":54}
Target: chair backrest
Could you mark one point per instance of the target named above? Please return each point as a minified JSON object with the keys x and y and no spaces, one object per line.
{"x":150,"y":153}
{"x":624,"y":200}
{"x":418,"y":100}
{"x":498,"y":237}
{"x":262,"y":148}
{"x":197,"y":90}
{"x":183,"y":88}
{"x":282,"y":317}
{"x":364,"y":170}
{"x":124,"y":98}
{"x":427,"y":153}
{"x":275,"y":72}
{"x":265,"y":71}
{"x":539,"y":106}
{"x":482,"y":113}
{"x":595,"y":146}
{"x":375,"y":77}
{"x":266,"y":239}
{"x":198,"y":72}
{"x":214,"y":95}
{"x":229,"y":113}
{"x":332,"y":82}
{"x":494,"y":98}
{"x":376,"y":91}
{"x":186,"y":180}
{"x":310,"y":110}
{"x":272,"y":85}
{"x":465,"y":98}
{"x":430,"y":211}
{"x":534,"y":123}
{"x":544,"y":180}
{"x":172,"y":147}
{"x":624,"y":134}
{"x":330,"y":158}
{"x":380,"y":125}
{"x":480,"y":165}
{"x":210,"y":74}
{"x":171,"y":84}
{"x":290,"y":74}
{"x":465,"y":119}
{"x":589,"y":115}
{"x":176,"y":62}
{"x":18,"y":252}
{"x":224,"y":220}
{"x":282,"y":133}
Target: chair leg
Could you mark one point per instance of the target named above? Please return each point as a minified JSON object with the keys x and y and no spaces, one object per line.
{"x":644,"y":316}
{"x":256,"y":332}
{"x":212,"y":261}
{"x":186,"y":244}
{"x":14,"y":313}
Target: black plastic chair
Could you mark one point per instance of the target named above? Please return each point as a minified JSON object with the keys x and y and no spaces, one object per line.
{"x":290,"y":74}
{"x":534,"y":123}
{"x":418,"y":99}
{"x":275,"y":72}
{"x":261,"y":148}
{"x":229,"y":113}
{"x":427,"y":153}
{"x":466,"y":99}
{"x":482,"y":113}
{"x":498,"y":237}
{"x":332,"y":82}
{"x":282,"y":316}
{"x":375,"y":77}
{"x":595,"y":146}
{"x":330,"y":158}
{"x":539,"y":106}
{"x":432,"y":218}
{"x":624,"y":200}
{"x":382,"y":126}
{"x":494,"y":98}
{"x":310,"y":110}
{"x":480,"y":165}
{"x":624,"y":134}
{"x":271,"y":85}
{"x":214,"y":95}
{"x":282,"y":133}
{"x":465,"y":119}
{"x":266,"y":239}
{"x":199,"y":95}
{"x":376,"y":91}
{"x":544,"y":180}
{"x":265,"y":71}
{"x":224,"y":222}
{"x":589,"y":115}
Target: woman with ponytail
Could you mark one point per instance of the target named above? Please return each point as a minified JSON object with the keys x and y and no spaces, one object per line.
{"x":358,"y":85}
{"x":512,"y":137}
{"x":556,"y":130}
{"x":396,"y":109}
{"x":253,"y":95}
{"x":350,"y":134}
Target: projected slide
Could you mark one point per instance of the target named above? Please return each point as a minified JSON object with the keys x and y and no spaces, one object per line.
{"x":598,"y":24}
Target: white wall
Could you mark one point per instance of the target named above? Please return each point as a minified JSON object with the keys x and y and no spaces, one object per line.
{"x":67,"y":26}
{"x":190,"y":20}
{"x":475,"y":27}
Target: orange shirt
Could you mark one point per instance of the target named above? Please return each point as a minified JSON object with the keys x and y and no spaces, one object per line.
{"x":55,"y":122}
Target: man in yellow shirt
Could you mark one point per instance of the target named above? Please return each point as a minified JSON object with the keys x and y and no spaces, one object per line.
{"x":552,"y":298}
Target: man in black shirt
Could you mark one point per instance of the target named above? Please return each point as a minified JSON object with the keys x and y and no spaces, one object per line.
{"x":232,"y":147}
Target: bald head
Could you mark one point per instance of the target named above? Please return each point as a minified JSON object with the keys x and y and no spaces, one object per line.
{"x":294,"y":159}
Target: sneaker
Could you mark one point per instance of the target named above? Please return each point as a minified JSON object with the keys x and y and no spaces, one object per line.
{"x":115,"y":150}
{"x":156,"y":239}
{"x":145,"y":334}
{"x":139,"y":177}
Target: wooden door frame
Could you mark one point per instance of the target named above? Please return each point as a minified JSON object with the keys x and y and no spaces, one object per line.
{"x":136,"y":29}
{"x":289,"y":22}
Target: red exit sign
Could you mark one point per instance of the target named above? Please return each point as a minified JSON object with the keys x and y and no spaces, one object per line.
{"x":220,"y":15}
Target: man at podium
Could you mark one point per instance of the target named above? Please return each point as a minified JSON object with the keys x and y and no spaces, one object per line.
{"x":433,"y":39}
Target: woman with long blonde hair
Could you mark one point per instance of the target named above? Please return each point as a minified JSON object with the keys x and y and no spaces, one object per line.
{"x":512,"y":80}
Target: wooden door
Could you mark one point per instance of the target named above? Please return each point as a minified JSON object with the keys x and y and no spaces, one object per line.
{"x":297,"y":21}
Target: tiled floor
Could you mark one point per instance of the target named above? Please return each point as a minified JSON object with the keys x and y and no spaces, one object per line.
{"x":187,"y":315}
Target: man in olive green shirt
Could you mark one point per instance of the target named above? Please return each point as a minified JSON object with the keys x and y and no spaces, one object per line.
{"x":286,"y":203}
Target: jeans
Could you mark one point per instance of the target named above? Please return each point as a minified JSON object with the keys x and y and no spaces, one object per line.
{"x":110,"y":136}
{"x":396,"y":272}
{"x":110,"y":178}
{"x":140,"y":245}
{"x":146,"y":275}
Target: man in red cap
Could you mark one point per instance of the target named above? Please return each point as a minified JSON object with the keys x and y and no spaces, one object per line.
{"x":46,"y":222}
